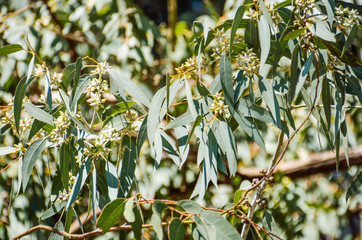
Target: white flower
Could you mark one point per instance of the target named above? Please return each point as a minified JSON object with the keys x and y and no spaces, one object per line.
{"x":40,"y":70}
{"x":102,"y":68}
{"x":96,"y":100}
{"x":57,"y":78}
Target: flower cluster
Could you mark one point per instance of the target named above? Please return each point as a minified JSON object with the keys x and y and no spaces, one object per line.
{"x":102,"y":68}
{"x":56,"y":79}
{"x":64,"y":195}
{"x":253,"y":14}
{"x":223,"y":40}
{"x":57,"y":136}
{"x":40,"y":70}
{"x":248,"y":62}
{"x":218,"y":106}
{"x":189,"y":65}
{"x":305,"y":6}
{"x":97,"y":86}
{"x":346,"y":17}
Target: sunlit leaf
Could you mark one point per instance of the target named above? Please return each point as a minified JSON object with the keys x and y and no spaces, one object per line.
{"x":9,"y":49}
{"x":111,"y":214}
{"x":31,"y":155}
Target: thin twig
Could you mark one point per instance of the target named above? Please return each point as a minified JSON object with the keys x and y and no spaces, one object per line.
{"x":9,"y":165}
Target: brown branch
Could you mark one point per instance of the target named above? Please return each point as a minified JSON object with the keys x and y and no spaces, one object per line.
{"x":323,"y":162}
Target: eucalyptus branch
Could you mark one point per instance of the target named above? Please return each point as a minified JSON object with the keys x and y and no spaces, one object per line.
{"x":273,"y":165}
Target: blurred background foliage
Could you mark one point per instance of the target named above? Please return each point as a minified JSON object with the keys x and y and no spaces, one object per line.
{"x":147,"y":40}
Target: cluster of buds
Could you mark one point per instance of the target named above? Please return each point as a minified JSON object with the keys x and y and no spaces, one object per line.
{"x":219,"y":106}
{"x":189,"y":65}
{"x":308,"y":43}
{"x":248,"y":62}
{"x":102,"y":68}
{"x":333,"y":62}
{"x":346,"y":17}
{"x":40,"y":70}
{"x":223,"y":40}
{"x":25,"y":124}
{"x":56,"y":79}
{"x":64,"y":195}
{"x":305,"y":6}
{"x":262,"y":202}
{"x":97,"y":86}
{"x":61,"y":125}
{"x":19,"y":148}
{"x":253,"y":13}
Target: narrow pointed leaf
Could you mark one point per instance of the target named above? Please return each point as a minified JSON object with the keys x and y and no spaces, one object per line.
{"x":129,"y":163}
{"x":6,"y":150}
{"x":39,"y":113}
{"x":79,"y":182}
{"x":264,"y":39}
{"x":31,"y":155}
{"x":18,"y":101}
{"x":237,"y":19}
{"x":355,"y":186}
{"x":227,"y":81}
{"x":111,"y":214}
{"x":112,"y":180}
{"x":9,"y":49}
{"x":267,"y":90}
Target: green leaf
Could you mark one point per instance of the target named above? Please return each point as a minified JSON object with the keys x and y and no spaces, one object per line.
{"x":294,"y":34}
{"x":52,"y":210}
{"x":351,"y":37}
{"x":266,"y":14}
{"x":112,"y":180}
{"x":355,"y":186}
{"x":217,"y":226}
{"x":226,"y":142}
{"x":237,"y":19}
{"x":31,"y":155}
{"x":154,"y":117}
{"x":54,"y":236}
{"x":251,"y":34}
{"x":182,"y":136}
{"x":190,"y":206}
{"x":111,"y":214}
{"x":157,"y":208}
{"x":129,"y":86}
{"x":68,"y":75}
{"x":303,"y":74}
{"x":79,"y":182}
{"x":321,"y":30}
{"x":294,"y":73}
{"x":9,"y":49}
{"x":18,"y":101}
{"x":336,"y":49}
{"x":128,"y":211}
{"x":94,"y":194}
{"x":64,"y":159}
{"x":170,"y":148}
{"x":264,"y":39}
{"x":249,"y":127}
{"x":176,"y":230}
{"x":129,"y":163}
{"x":196,"y":123}
{"x":181,"y":120}
{"x":78,"y":69}
{"x":6,"y":150}
{"x":250,"y":109}
{"x":267,"y":90}
{"x":329,"y":5}
{"x":39,"y":113}
{"x":326,"y":99}
{"x":137,"y":224}
{"x":227,"y":81}
{"x":142,"y":135}
{"x":190,"y":101}
{"x":83,"y":83}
